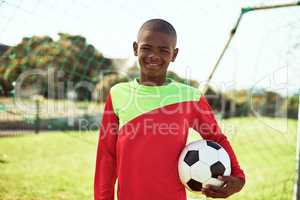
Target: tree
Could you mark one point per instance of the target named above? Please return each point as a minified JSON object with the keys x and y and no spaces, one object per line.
{"x":70,"y":56}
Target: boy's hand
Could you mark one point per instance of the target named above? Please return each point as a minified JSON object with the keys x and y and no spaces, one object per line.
{"x":230,"y":186}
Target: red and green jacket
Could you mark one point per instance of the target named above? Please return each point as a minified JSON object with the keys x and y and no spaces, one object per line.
{"x":142,"y":133}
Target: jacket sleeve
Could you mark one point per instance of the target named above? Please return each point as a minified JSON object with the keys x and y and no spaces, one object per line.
{"x":205,"y":123}
{"x":105,"y":172}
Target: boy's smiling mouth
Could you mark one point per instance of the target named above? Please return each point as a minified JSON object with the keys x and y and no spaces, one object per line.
{"x":153,"y":64}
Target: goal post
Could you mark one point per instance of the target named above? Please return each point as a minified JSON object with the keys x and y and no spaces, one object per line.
{"x":234,"y":29}
{"x":297,"y":181}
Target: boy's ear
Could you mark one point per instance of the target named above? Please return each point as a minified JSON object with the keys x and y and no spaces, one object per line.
{"x":135,"y":48}
{"x":175,"y":54}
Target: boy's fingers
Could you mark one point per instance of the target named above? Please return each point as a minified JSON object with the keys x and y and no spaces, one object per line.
{"x":218,"y":189}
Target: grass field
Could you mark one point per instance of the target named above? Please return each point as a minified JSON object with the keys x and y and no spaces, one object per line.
{"x":58,"y":166}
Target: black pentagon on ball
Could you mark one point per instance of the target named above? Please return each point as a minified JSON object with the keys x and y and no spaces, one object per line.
{"x":217,"y":169}
{"x":191,"y":157}
{"x":213,"y":145}
{"x":194,"y":185}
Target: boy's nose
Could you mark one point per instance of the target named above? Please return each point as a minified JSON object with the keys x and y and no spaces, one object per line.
{"x":154,"y":57}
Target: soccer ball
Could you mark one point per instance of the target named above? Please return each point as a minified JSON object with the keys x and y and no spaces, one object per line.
{"x":201,"y":162}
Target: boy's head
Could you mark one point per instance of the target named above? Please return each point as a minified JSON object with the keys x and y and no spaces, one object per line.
{"x":155,"y":48}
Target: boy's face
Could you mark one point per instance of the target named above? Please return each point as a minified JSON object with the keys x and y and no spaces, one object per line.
{"x":155,"y":50}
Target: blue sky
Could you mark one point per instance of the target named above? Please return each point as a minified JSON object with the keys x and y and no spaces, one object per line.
{"x":263,"y":53}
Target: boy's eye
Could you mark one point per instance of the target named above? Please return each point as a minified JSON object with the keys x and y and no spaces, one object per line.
{"x":165,"y":51}
{"x":145,"y":48}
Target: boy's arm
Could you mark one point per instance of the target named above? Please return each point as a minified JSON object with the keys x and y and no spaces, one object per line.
{"x":205,"y":123}
{"x":105,"y":173}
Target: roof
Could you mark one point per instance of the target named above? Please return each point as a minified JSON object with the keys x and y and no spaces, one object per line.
{"x":3,"y":48}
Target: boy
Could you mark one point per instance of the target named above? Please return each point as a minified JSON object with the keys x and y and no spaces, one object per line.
{"x":145,"y":125}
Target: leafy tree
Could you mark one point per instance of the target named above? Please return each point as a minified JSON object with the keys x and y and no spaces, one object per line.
{"x":70,"y":56}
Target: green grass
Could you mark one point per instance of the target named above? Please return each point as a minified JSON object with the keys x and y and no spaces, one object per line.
{"x":50,"y":166}
{"x":59,"y":166}
{"x":267,"y":156}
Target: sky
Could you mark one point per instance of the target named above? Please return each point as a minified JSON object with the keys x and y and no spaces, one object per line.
{"x":263,"y":52}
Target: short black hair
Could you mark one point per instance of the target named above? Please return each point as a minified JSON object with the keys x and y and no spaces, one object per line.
{"x":159,"y":25}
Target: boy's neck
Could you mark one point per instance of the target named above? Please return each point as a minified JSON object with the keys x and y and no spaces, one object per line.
{"x":152,"y":81}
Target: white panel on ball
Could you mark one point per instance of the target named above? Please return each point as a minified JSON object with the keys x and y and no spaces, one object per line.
{"x":208,"y":155}
{"x":213,"y":181}
{"x":224,"y":158}
{"x":200,"y":172}
{"x":184,"y":172}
